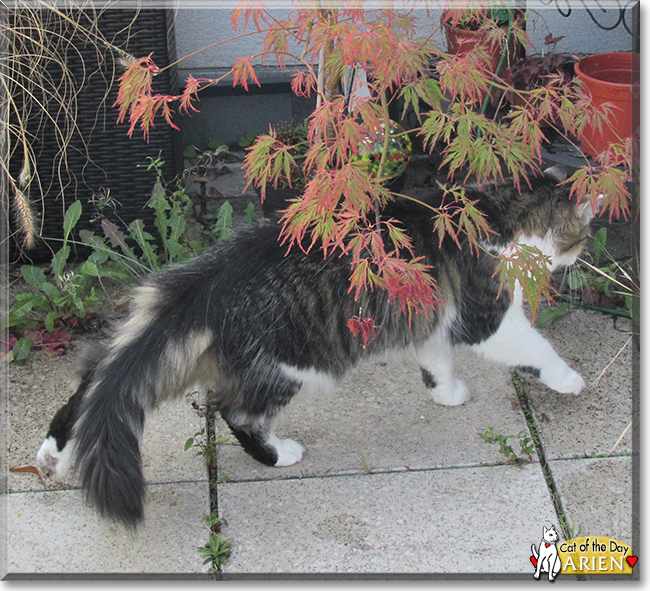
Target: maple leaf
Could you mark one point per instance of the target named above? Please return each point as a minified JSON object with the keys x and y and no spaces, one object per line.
{"x":249,"y":8}
{"x":146,"y":110}
{"x":303,"y":83}
{"x":192,"y":87}
{"x":242,"y":71}
{"x":136,"y":81}
{"x":410,"y":284}
{"x":605,"y":183}
{"x":525,"y":269}
{"x":53,"y":343}
{"x":466,"y":76}
{"x":7,"y":344}
{"x":364,"y":327}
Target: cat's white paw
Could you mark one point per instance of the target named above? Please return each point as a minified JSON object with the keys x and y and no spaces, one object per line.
{"x":289,"y":451}
{"x":566,"y":381}
{"x":52,"y":462}
{"x":450,"y":395}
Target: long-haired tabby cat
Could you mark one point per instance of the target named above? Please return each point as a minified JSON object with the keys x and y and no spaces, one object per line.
{"x":254,"y":325}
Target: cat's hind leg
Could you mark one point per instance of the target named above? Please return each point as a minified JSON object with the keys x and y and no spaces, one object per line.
{"x":517,"y":344}
{"x":258,"y":440}
{"x":436,"y":361}
{"x":56,"y":454}
{"x":261,"y":393}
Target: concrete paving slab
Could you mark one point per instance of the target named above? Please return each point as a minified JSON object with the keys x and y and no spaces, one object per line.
{"x":382,"y":417}
{"x":591,"y":422}
{"x":41,"y":385}
{"x":56,"y":532}
{"x":596,"y":495}
{"x":467,"y":520}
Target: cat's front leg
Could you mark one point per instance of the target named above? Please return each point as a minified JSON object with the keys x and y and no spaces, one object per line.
{"x":554,"y":567}
{"x":517,"y":344}
{"x":436,"y":361}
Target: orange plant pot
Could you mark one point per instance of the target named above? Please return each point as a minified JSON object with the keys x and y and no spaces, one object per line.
{"x":461,"y":41}
{"x":612,"y":79}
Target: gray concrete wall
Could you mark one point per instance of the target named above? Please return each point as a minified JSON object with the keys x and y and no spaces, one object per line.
{"x":199,"y":28}
{"x":230,"y":117}
{"x":582,"y":35}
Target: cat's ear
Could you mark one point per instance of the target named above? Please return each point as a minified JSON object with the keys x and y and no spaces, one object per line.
{"x":557,"y":172}
{"x":589,"y":210}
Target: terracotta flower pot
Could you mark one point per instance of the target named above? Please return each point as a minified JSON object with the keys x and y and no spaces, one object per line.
{"x":461,"y":41}
{"x":609,"y":79}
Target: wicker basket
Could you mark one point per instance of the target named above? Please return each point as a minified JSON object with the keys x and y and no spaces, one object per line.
{"x":102,"y":158}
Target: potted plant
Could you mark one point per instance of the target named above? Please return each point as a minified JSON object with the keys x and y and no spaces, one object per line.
{"x":489,"y":29}
{"x":343,"y":197}
{"x":612,"y":82}
{"x":531,"y":76}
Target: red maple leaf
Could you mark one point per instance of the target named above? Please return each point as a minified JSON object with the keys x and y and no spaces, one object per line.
{"x":364,"y":327}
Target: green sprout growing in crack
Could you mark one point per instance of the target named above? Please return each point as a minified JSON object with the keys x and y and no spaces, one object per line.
{"x":526,"y":444}
{"x":216,"y":550}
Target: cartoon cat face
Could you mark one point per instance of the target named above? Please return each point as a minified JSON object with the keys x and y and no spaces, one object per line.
{"x":550,"y":535}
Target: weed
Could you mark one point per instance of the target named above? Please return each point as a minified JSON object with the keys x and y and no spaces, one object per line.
{"x":247,"y":139}
{"x":42,"y":318}
{"x":205,"y":446}
{"x":364,"y":463}
{"x":568,"y":529}
{"x":204,"y":441}
{"x":214,"y":147}
{"x":526,"y":444}
{"x":133,"y":251}
{"x":216,"y":550}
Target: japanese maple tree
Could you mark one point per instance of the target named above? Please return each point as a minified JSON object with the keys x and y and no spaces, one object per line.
{"x":339,"y":209}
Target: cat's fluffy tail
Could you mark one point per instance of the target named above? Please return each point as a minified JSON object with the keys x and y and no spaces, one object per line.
{"x":152,"y":356}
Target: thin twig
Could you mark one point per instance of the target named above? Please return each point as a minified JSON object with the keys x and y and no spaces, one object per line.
{"x":620,"y":438}
{"x":602,"y":373}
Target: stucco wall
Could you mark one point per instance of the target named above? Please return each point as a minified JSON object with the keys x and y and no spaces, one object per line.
{"x":199,"y":28}
{"x":195,"y":29}
{"x":582,"y":35}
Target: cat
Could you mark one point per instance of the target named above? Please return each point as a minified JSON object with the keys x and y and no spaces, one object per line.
{"x":253,"y":325}
{"x":547,"y":559}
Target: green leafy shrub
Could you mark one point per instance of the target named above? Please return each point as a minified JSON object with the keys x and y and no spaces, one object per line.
{"x":60,"y":298}
{"x":41,"y":317}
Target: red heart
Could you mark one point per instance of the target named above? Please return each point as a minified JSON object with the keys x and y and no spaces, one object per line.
{"x":534,"y":561}
{"x":631,"y":560}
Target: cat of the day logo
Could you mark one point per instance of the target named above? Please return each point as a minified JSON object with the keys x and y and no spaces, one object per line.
{"x":580,"y":556}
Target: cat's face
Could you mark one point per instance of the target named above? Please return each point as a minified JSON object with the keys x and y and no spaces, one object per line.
{"x":559,"y":225}
{"x":570,"y":227}
{"x":550,"y":535}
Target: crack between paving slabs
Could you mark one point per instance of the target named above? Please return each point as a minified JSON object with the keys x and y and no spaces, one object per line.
{"x":548,"y":477}
{"x":211,"y":465}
